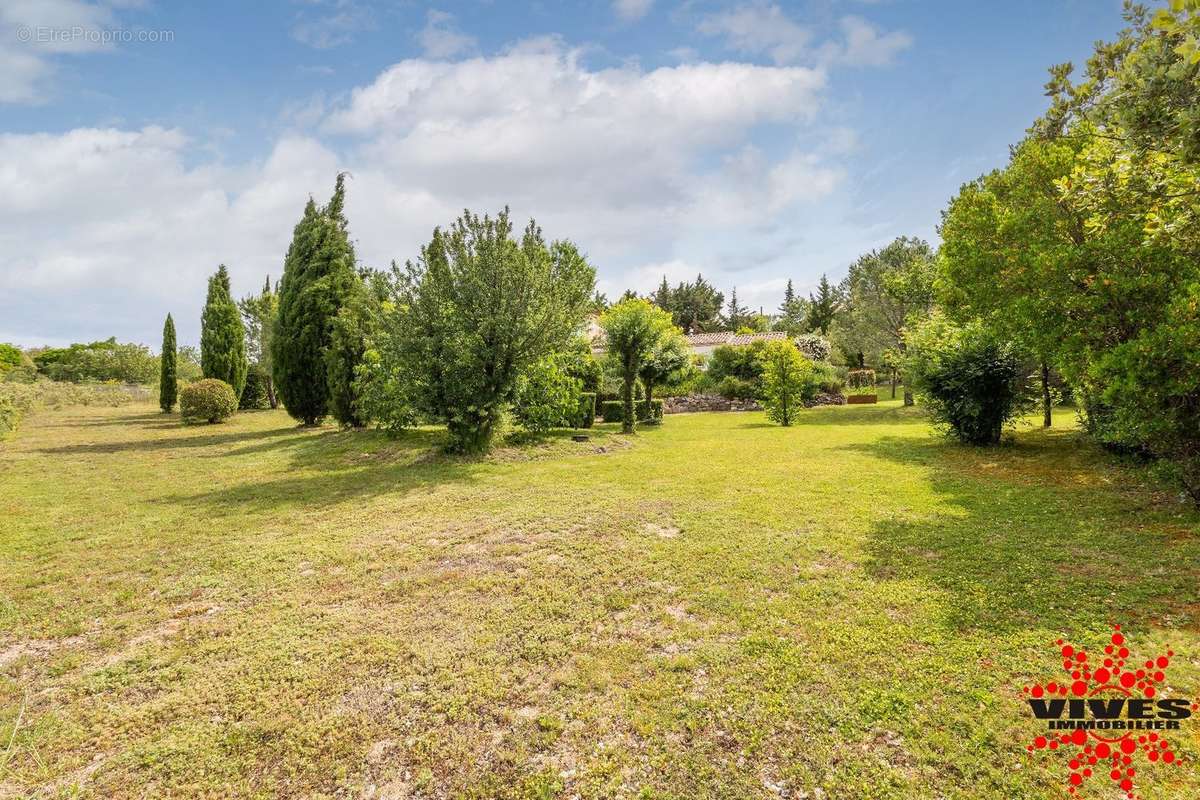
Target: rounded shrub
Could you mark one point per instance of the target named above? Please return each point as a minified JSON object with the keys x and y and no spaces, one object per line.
{"x":209,"y":400}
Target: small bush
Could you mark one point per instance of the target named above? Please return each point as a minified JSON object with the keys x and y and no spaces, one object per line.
{"x":649,"y":412}
{"x":586,"y":416}
{"x":827,"y":379}
{"x":861,"y":379}
{"x":813,"y":346}
{"x":969,"y":379}
{"x":209,"y":400}
{"x":254,"y":393}
{"x":733,"y":388}
{"x":546,"y":396}
{"x":612,"y":411}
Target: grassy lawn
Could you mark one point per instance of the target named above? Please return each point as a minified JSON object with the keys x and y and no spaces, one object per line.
{"x":718,"y":608}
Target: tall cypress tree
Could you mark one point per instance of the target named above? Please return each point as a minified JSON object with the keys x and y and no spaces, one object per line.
{"x":318,"y":278}
{"x":167,"y":368}
{"x":222,"y":337}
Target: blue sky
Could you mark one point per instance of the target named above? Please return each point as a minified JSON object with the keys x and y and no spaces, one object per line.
{"x":142,"y":143}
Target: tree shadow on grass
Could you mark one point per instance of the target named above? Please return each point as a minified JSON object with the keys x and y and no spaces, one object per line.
{"x":1044,"y":532}
{"x":135,"y":445}
{"x":334,"y":468}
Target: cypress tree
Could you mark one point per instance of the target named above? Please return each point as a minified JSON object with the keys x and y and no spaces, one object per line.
{"x":318,"y":278}
{"x":222,"y":337}
{"x":167,"y":390}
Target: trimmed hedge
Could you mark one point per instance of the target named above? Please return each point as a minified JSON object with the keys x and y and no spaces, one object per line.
{"x":209,"y":400}
{"x":586,"y":416}
{"x":614,"y":411}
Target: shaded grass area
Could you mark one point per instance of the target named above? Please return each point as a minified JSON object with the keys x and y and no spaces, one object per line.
{"x":715,"y":608}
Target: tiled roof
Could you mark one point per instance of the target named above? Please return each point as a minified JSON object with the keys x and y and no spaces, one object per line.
{"x":728,"y":337}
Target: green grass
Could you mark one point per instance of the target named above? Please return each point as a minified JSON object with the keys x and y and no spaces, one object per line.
{"x":715,"y":608}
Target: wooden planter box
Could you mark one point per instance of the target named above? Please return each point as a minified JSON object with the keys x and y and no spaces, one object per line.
{"x":861,"y":399}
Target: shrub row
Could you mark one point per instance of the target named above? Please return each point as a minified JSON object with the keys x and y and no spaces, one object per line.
{"x":614,"y":410}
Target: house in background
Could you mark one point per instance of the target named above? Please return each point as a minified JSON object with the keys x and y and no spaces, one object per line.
{"x":702,"y":344}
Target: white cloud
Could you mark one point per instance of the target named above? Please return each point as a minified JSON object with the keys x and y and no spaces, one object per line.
{"x":866,"y":46}
{"x":441,"y":39}
{"x":629,"y":10}
{"x":759,"y":28}
{"x":32,"y":34}
{"x":102,"y":231}
{"x":336,"y":23}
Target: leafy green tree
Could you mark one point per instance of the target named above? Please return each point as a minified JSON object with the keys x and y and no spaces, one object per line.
{"x":792,"y":313}
{"x":969,"y":377}
{"x":1011,"y":249}
{"x":632,"y":330}
{"x":479,"y":308}
{"x":222,"y":337}
{"x":694,"y":306}
{"x":546,"y":395}
{"x":167,"y":388}
{"x":887,"y":291}
{"x":786,"y":377}
{"x":669,"y":356}
{"x":318,"y":276}
{"x":347,"y":348}
{"x":259,"y":314}
{"x":823,"y":308}
{"x":106,"y":360}
{"x":737,"y":316}
{"x":10,"y":357}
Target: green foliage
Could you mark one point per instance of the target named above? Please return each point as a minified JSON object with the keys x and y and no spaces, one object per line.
{"x":969,"y":378}
{"x":383,"y":390}
{"x":578,"y":362}
{"x":347,"y":348}
{"x":585,"y":417}
{"x":105,"y":361}
{"x":260,"y":313}
{"x":823,"y":307}
{"x":222,"y":337}
{"x":20,"y":398}
{"x":694,"y":306}
{"x":187,"y":363}
{"x":10,"y":357}
{"x":861,"y":382}
{"x":478,"y":308}
{"x":254,"y":393}
{"x":1151,"y":385}
{"x":168,"y":391}
{"x":208,"y":400}
{"x":734,"y":388}
{"x":786,"y":380}
{"x":668,"y":358}
{"x":826,"y":378}
{"x":546,"y":396}
{"x":793,"y":313}
{"x":736,"y":316}
{"x":645,"y":411}
{"x":650,"y":411}
{"x":886,"y":291}
{"x":632,"y":330}
{"x":735,"y":371}
{"x":612,"y":411}
{"x":318,"y":276}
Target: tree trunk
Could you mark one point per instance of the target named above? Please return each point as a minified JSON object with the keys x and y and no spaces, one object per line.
{"x":908,"y":397}
{"x":1046,"y":420}
{"x":649,"y":396}
{"x":627,"y":411}
{"x":272,"y":400}
{"x":893,"y":384}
